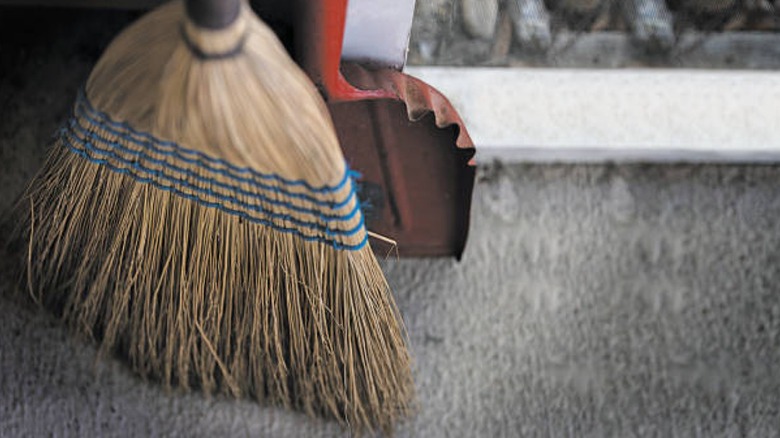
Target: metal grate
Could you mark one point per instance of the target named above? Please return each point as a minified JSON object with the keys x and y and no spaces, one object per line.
{"x":598,"y":33}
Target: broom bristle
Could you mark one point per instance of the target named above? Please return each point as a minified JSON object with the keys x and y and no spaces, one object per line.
{"x":196,"y":215}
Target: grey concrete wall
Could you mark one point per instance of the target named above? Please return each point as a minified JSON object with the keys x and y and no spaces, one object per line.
{"x":592,"y":300}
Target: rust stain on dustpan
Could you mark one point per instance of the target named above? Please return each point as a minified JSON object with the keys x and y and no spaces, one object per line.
{"x":416,"y":161}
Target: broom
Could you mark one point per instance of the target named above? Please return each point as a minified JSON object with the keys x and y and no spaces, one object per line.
{"x":196,"y":216}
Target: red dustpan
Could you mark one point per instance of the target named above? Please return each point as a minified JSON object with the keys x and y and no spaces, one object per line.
{"x":402,"y":135}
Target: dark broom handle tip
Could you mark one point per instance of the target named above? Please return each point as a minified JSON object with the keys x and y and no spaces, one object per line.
{"x":213,"y":14}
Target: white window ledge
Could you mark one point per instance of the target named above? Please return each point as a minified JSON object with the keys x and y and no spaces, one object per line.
{"x":571,"y":115}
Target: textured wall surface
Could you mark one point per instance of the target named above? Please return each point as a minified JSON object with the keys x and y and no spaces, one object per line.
{"x":592,"y":300}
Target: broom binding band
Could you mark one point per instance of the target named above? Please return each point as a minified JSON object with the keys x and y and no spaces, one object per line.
{"x":206,"y":56}
{"x":75,"y":132}
{"x":326,"y":214}
{"x":85,"y":110}
{"x":215,"y":29}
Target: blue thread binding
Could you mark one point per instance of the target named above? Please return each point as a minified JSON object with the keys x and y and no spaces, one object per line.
{"x":334,"y":243}
{"x":180,"y":182}
{"x":75,"y":126}
{"x":155,"y":173}
{"x":105,"y":119}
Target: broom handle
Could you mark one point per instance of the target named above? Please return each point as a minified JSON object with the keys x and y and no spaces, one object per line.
{"x":213,"y":14}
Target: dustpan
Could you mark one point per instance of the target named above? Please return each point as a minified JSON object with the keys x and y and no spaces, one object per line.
{"x":404,"y":137}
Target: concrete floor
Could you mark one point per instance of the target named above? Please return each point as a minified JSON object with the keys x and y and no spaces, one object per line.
{"x":597,"y":300}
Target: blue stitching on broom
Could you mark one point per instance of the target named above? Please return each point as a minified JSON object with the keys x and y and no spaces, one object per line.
{"x":244,"y":215}
{"x":106,"y":121}
{"x":150,"y":145}
{"x":97,"y":140}
{"x":183,"y":183}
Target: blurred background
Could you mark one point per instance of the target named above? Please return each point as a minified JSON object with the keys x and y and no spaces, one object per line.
{"x":627,"y":288}
{"x":597,"y":33}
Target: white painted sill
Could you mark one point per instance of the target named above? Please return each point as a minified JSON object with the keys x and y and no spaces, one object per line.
{"x":567,"y":115}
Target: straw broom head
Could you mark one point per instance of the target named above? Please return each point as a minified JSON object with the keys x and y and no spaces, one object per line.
{"x":196,"y":216}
